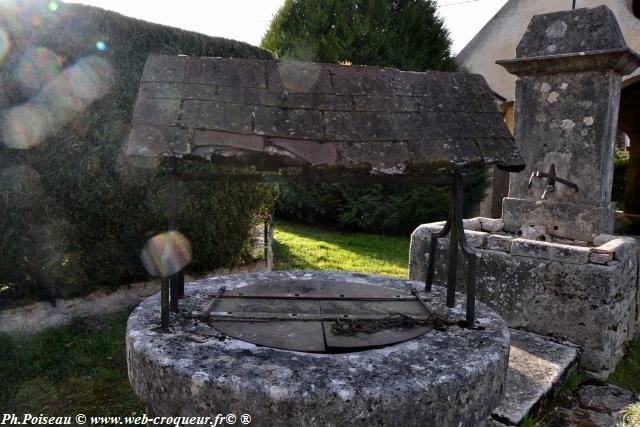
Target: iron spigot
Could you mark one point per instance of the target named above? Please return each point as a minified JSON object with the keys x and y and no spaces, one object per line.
{"x":551,"y":181}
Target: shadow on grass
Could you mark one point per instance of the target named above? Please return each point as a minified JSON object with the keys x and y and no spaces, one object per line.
{"x":286,"y":259}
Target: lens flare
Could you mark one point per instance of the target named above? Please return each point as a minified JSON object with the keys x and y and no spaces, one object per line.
{"x":26,"y":126}
{"x":53,"y":6}
{"x":75,"y":89}
{"x":36,"y":20}
{"x":101,"y":46}
{"x":26,"y":14}
{"x":89,"y":79}
{"x":166,"y":254}
{"x":38,"y":67}
{"x":5,"y":44}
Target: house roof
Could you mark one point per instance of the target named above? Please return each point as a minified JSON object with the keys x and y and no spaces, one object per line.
{"x":274,"y":114}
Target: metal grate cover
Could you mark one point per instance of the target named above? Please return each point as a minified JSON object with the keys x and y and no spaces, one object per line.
{"x":317,"y":315}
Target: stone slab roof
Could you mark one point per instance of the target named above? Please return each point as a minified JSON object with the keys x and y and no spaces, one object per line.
{"x":571,"y":31}
{"x":274,"y":114}
{"x":573,"y":41}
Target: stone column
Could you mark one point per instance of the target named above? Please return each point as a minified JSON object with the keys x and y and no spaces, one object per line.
{"x":569,"y":66}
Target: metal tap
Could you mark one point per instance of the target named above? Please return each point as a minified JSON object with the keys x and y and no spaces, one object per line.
{"x":551,"y":181}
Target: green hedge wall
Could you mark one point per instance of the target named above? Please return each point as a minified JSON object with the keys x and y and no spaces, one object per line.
{"x":389,"y":209}
{"x":75,"y":211}
{"x":620,"y":166}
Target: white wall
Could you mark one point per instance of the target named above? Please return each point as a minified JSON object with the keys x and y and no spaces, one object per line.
{"x":499,"y":38}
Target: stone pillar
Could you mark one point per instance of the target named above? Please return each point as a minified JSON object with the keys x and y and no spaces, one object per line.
{"x":569,"y":66}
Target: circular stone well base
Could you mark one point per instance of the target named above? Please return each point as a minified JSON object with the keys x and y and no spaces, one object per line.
{"x":442,"y":378}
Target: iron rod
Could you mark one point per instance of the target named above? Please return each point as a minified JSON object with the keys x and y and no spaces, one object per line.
{"x":223,"y":316}
{"x":472,"y":259}
{"x":471,"y":289}
{"x":313,"y":179}
{"x":452,"y":273}
{"x":207,"y":311}
{"x":179,"y":279}
{"x":164,"y":303}
{"x":173,"y":279}
{"x":433,"y":250}
{"x":316,"y":297}
{"x":417,"y":296}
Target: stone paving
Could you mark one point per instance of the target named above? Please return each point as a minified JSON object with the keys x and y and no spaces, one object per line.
{"x":593,"y":405}
{"x":537,"y":367}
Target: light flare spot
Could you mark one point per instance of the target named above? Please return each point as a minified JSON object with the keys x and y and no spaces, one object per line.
{"x":5,"y":44}
{"x":166,"y":254}
{"x":37,"y":67}
{"x":101,"y":46}
{"x":26,"y":126}
{"x":53,"y":6}
{"x":36,"y":21}
{"x":89,"y":79}
{"x":71,"y":92}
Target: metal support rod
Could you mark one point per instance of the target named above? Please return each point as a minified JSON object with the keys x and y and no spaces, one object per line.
{"x":452,"y":273}
{"x":179,"y":276}
{"x":311,"y":178}
{"x":173,"y":279}
{"x":574,"y":5}
{"x":207,"y":311}
{"x":472,"y":257}
{"x":433,"y":250}
{"x":164,"y":303}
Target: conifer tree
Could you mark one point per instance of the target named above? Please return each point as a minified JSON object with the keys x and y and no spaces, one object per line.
{"x":407,"y":34}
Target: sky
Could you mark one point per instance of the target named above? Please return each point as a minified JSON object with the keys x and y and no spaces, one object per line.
{"x":247,"y":20}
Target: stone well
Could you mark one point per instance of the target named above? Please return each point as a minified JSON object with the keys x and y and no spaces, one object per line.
{"x":447,"y":377}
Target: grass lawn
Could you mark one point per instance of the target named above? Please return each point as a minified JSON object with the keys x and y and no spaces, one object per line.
{"x":304,"y":248}
{"x":81,"y":367}
{"x":77,"y":368}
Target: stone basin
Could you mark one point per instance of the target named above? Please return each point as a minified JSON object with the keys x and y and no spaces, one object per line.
{"x":445,"y":378}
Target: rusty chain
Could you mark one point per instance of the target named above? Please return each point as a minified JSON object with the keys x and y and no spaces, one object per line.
{"x":349,"y":327}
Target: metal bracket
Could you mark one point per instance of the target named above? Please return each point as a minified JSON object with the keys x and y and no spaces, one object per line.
{"x":551,"y":181}
{"x":455,"y":228}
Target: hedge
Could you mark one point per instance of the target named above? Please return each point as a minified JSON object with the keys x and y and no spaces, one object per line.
{"x":75,"y":211}
{"x":388,"y":209}
{"x":620,"y":166}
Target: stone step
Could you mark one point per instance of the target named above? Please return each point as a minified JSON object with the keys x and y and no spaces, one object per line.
{"x":538,"y":366}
